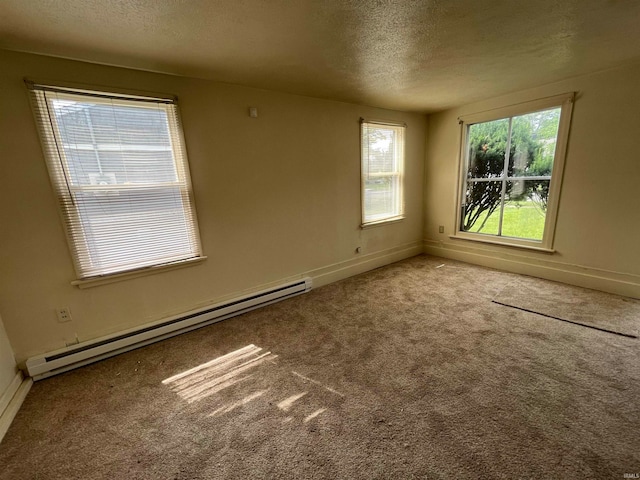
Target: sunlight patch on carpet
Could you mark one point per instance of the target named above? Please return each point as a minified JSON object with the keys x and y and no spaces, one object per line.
{"x":284,"y":390}
{"x":240,"y":403}
{"x":314,"y":415}
{"x":287,"y":403}
{"x":216,"y":375}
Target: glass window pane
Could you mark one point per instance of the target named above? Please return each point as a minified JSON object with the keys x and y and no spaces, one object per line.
{"x":112,"y":144}
{"x":533,"y":143}
{"x":487,"y":143}
{"x":382,"y":159}
{"x":381,"y":149}
{"x":525,"y":209}
{"x":482,"y":207}
{"x":144,"y":216}
{"x":380,"y":198}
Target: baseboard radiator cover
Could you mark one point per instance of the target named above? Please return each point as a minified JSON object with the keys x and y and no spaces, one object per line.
{"x":59,"y":361}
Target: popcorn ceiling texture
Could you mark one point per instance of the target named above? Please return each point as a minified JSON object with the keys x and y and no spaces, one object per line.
{"x":416,"y":55}
{"x":407,"y":371}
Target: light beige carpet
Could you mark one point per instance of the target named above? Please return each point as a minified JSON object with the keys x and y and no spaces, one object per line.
{"x":408,"y":371}
{"x":574,"y":304}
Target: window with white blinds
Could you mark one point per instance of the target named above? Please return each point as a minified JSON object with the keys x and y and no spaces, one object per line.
{"x":119,"y":169}
{"x":382,"y":172}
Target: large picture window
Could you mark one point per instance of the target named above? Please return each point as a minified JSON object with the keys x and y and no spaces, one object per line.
{"x":382,"y":172}
{"x":512,"y":168}
{"x":119,"y":169}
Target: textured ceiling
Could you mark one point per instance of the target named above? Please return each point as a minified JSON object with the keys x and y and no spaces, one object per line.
{"x":408,"y":55}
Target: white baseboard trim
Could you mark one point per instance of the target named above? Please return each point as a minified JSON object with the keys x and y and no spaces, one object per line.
{"x":11,"y":401}
{"x":619,"y":283}
{"x":341,"y":270}
{"x":10,"y":391}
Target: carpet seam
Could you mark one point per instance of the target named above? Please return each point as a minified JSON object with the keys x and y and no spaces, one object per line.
{"x":565,"y":320}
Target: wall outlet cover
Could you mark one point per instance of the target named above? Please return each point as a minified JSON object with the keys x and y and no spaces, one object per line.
{"x":64,"y":314}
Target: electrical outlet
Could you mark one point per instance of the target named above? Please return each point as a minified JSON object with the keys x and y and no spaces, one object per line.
{"x":441,"y":229}
{"x":64,"y":314}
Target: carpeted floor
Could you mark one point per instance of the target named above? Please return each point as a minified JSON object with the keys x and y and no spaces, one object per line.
{"x":598,"y":310}
{"x":408,"y":371}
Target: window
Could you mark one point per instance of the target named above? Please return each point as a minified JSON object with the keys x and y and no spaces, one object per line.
{"x":512,"y":167}
{"x":119,"y":169}
{"x":382,"y":165}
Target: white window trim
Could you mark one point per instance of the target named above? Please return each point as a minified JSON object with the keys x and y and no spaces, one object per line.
{"x":140,"y":272}
{"x":399,"y":173}
{"x":380,"y":223}
{"x":565,"y":101}
{"x":59,"y":179}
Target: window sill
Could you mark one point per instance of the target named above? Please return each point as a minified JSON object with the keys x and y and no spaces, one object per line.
{"x":118,"y":277}
{"x":380,"y":223}
{"x":504,"y":243}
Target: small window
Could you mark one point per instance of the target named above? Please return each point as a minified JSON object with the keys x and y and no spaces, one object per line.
{"x":512,"y":168}
{"x":382,"y":172}
{"x":119,"y":169}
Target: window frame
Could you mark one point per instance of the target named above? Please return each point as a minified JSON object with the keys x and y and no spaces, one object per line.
{"x":58,"y":167}
{"x":397,"y":173}
{"x":565,"y":103}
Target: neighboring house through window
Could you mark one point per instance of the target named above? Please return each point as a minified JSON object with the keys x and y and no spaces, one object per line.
{"x":512,"y":163}
{"x":382,"y":172}
{"x":119,"y":169}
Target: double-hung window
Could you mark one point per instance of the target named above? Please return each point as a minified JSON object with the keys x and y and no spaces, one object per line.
{"x":382,"y":172}
{"x":512,"y":163}
{"x":119,"y":169}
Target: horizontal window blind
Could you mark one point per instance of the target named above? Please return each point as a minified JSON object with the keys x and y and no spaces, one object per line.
{"x":119,"y":169}
{"x":382,"y":168}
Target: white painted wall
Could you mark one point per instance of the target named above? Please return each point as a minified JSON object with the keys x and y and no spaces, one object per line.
{"x":277,"y":197}
{"x":597,"y":237}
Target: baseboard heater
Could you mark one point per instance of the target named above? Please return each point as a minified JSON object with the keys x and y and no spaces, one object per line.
{"x":81,"y":354}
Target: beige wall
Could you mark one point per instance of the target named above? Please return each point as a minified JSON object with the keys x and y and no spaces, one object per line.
{"x":597,"y":237}
{"x":276,"y":197}
{"x":8,"y":368}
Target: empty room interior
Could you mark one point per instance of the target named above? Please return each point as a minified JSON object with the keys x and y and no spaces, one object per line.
{"x":319,"y":239}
